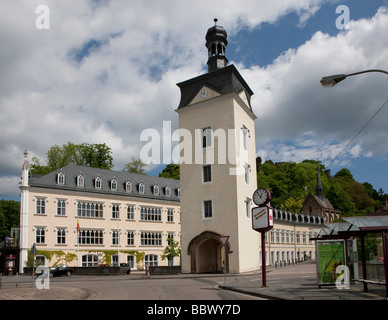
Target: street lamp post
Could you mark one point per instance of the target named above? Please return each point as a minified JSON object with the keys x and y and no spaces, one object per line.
{"x":331,"y":81}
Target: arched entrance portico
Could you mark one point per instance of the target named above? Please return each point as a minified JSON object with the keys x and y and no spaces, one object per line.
{"x":206,"y":253}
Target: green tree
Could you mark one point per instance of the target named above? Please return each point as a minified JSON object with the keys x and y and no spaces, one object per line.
{"x":171,"y":171}
{"x":340,"y":200}
{"x":172,"y":250}
{"x":135,"y":166}
{"x":293,"y":205}
{"x":85,"y":154}
{"x":9,"y":216}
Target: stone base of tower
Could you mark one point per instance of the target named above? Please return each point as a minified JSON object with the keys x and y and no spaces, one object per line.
{"x":205,"y":254}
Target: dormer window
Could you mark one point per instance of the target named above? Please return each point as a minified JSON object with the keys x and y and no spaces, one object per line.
{"x":178,"y":192}
{"x":113,"y":185}
{"x":61,"y":178}
{"x":156,"y":190}
{"x":168,"y":192}
{"x":97,"y":183}
{"x":141,"y":188}
{"x":128,"y":186}
{"x":80,"y":181}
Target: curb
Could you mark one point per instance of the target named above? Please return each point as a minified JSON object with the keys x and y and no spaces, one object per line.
{"x":255,"y":294}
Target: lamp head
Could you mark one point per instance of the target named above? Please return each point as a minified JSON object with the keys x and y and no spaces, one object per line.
{"x":331,"y":81}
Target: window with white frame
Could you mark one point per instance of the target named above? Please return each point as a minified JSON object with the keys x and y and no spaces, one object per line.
{"x":113,"y":185}
{"x":90,"y":260}
{"x":179,"y":192}
{"x":208,"y":209}
{"x":40,"y":235}
{"x":61,"y":178}
{"x":130,"y":212}
{"x":91,"y":237}
{"x":151,"y":238}
{"x":61,"y":236}
{"x":128,"y":186}
{"x":168,"y":191}
{"x":115,"y":211}
{"x":141,"y":188}
{"x":131,"y":261}
{"x":80,"y":181}
{"x":170,"y":238}
{"x":40,"y":206}
{"x":115,"y":237}
{"x":61,"y":207}
{"x":156,"y":190}
{"x":90,"y":209}
{"x":170,"y":215}
{"x":150,"y":214}
{"x":151,"y":260}
{"x":130,"y":238}
{"x":97,"y":183}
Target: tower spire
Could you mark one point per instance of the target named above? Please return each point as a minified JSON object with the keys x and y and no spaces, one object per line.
{"x":319,"y":187}
{"x":216,"y":44}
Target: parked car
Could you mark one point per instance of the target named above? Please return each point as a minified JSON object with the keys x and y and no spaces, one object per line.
{"x":124,"y":268}
{"x":61,"y":270}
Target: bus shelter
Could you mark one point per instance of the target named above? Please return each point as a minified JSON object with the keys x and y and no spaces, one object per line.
{"x":351,"y":243}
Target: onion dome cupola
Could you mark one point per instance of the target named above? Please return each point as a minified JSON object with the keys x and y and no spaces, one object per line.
{"x":216,"y":44}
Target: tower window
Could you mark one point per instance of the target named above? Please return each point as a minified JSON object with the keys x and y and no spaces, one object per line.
{"x":206,"y":137}
{"x":208,"y":209}
{"x":206,"y":173}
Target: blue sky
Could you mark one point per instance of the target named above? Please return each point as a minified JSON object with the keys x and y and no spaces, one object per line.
{"x":106,"y":70}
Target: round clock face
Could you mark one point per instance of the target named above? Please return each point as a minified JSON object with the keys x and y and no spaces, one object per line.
{"x":204,"y":94}
{"x":261,"y":196}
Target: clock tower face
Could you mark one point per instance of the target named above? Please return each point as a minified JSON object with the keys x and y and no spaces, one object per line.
{"x":261,"y":196}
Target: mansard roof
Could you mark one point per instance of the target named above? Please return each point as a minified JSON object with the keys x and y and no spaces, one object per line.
{"x":72,"y":172}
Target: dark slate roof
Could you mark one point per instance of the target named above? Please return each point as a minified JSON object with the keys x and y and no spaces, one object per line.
{"x":323,"y":202}
{"x":72,"y":171}
{"x":223,"y":81}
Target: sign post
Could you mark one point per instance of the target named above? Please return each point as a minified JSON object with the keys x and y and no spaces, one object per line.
{"x":224,"y":241}
{"x":262,"y":221}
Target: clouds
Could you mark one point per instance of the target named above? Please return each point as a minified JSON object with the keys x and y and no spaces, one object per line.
{"x":106,"y":70}
{"x":291,"y":103}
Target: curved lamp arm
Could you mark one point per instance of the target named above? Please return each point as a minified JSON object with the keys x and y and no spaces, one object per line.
{"x":331,"y":81}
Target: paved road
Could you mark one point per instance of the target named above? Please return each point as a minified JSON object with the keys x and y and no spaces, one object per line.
{"x":124,"y":287}
{"x":119,"y":288}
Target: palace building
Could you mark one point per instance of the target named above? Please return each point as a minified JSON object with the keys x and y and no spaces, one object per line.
{"x":88,"y":211}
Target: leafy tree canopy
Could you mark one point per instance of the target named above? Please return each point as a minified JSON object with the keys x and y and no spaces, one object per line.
{"x":85,"y":154}
{"x":290,"y":184}
{"x":171,"y":171}
{"x":135,"y":166}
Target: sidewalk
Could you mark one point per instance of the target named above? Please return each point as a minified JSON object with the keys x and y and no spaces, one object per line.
{"x":299,"y":283}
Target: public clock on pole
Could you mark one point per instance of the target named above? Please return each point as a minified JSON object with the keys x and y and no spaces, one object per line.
{"x":261,"y":196}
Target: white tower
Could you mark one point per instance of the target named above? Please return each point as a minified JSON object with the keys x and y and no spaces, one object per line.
{"x":218,"y":175}
{"x":24,"y":200}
